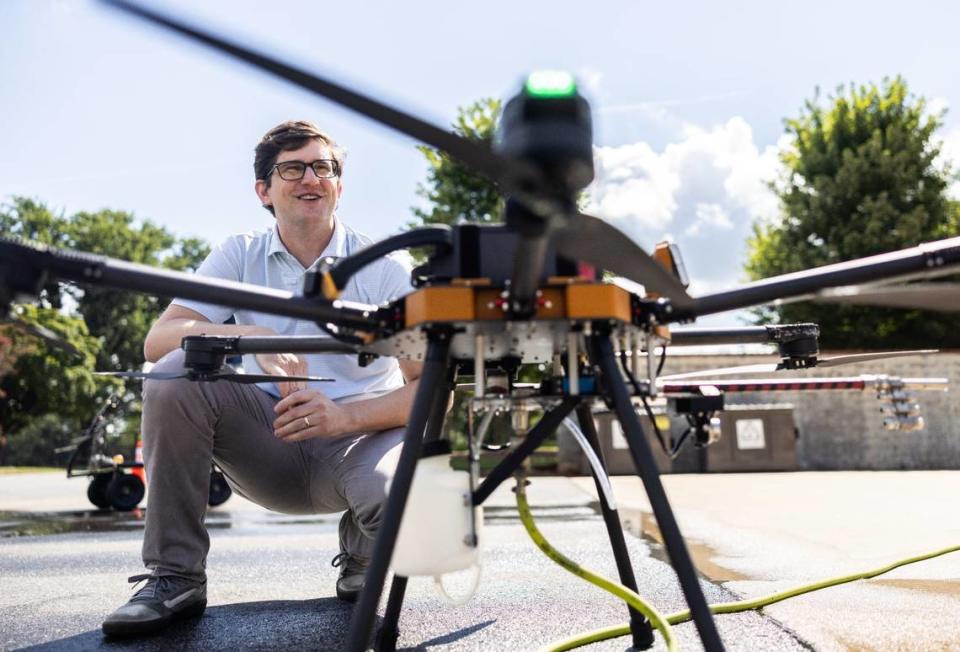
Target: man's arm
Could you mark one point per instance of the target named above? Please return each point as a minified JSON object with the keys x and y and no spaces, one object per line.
{"x":177,"y":322}
{"x":324,"y":418}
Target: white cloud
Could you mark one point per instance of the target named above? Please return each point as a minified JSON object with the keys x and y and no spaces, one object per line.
{"x":709,"y":186}
{"x":634,"y":184}
{"x":709,"y":216}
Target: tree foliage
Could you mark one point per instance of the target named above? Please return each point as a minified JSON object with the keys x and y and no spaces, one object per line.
{"x":860,"y":177}
{"x":43,"y":377}
{"x":454,"y":193}
{"x":119,"y":319}
{"x":107,"y":327}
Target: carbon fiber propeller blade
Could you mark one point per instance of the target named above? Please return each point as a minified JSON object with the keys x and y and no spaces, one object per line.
{"x":599,"y":243}
{"x":726,"y":371}
{"x":269,"y":378}
{"x":228,"y":376}
{"x":771,"y":367}
{"x":43,"y":333}
{"x":838,"y":360}
{"x":939,"y":297}
{"x":514,"y":177}
{"x":147,"y":375}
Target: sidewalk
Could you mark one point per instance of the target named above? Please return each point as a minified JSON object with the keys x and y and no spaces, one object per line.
{"x":761,"y":533}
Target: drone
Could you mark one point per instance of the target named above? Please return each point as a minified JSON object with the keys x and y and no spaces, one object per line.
{"x":534,"y":290}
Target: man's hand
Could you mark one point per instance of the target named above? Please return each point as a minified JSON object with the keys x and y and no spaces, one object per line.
{"x":284,"y":364}
{"x":310,"y":413}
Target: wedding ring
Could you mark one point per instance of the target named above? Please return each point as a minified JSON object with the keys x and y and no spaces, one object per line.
{"x":306,"y":421}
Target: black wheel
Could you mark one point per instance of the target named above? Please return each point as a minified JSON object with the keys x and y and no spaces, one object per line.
{"x":219,"y":489}
{"x":125,"y":492}
{"x":97,"y":490}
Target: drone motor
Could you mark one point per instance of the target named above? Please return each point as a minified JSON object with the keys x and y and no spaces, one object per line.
{"x":548,"y":123}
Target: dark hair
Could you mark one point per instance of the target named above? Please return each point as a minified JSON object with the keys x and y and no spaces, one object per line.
{"x":285,"y":137}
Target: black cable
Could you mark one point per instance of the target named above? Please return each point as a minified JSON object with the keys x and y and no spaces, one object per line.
{"x":636,"y":388}
{"x":656,"y":428}
{"x":675,"y":451}
{"x":663,"y":358}
{"x":439,"y":236}
{"x":628,"y":373}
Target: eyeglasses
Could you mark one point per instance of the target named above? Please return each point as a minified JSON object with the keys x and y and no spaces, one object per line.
{"x":323,"y":168}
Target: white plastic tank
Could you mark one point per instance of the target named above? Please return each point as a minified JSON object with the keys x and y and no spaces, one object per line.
{"x":440,"y":529}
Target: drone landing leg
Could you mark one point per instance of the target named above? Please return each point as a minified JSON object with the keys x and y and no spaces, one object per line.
{"x":431,"y":383}
{"x":647,"y":468}
{"x":387,"y":635}
{"x":389,"y":631}
{"x":640,"y":627}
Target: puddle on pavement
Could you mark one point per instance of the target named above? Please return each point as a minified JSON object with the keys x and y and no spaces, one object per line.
{"x":638,"y":523}
{"x":18,"y":524}
{"x":940,"y":587}
{"x":644,"y":525}
{"x":15,"y":524}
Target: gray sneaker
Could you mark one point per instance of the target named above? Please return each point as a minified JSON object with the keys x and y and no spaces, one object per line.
{"x":162,"y":600}
{"x":350,"y":582}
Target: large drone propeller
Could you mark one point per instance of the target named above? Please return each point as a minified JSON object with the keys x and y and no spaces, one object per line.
{"x":938,"y":297}
{"x":592,"y":239}
{"x":226,"y":374}
{"x":581,"y":237}
{"x":834,"y":361}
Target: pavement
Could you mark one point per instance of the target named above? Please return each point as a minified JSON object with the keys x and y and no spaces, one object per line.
{"x":63,"y":567}
{"x":757,"y":534}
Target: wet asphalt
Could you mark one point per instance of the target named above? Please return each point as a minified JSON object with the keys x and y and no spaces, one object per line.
{"x":63,"y":567}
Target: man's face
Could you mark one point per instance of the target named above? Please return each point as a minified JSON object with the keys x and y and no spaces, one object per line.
{"x":309,"y":200}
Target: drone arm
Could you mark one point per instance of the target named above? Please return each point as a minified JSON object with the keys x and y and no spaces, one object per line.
{"x":923,"y":261}
{"x":720,"y":336}
{"x":87,"y":269}
{"x":291,"y":344}
{"x":334,"y":278}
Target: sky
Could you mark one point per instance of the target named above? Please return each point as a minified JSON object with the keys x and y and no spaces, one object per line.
{"x":98,"y":110}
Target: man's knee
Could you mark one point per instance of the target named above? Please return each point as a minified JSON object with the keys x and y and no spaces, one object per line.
{"x":158,"y":391}
{"x":369,"y":489}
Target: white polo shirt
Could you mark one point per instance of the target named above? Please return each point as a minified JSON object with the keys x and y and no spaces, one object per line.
{"x":261,"y":258}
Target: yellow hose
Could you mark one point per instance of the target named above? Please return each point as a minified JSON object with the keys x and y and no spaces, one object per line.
{"x":684,"y":616}
{"x":622,"y":592}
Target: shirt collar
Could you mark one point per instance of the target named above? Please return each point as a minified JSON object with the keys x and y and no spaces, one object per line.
{"x":336,"y":248}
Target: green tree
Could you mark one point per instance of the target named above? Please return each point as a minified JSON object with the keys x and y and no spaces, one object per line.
{"x":51,"y":394}
{"x":860,"y":177}
{"x":120,"y":319}
{"x":454,"y":193}
{"x":48,"y":381}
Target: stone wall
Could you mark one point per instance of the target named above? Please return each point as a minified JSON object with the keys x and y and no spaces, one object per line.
{"x":844,"y":429}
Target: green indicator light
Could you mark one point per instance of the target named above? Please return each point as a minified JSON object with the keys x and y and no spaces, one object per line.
{"x":551,"y":83}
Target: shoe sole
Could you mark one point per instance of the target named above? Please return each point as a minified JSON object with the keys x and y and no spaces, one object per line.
{"x":348,"y":596}
{"x":133,"y":628}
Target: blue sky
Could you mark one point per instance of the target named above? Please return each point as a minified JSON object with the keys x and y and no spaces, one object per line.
{"x":99,"y":110}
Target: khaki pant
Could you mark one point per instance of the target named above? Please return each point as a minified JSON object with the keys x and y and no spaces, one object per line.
{"x":186,"y":425}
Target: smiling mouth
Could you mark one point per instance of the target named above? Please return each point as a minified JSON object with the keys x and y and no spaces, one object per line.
{"x":310,"y":197}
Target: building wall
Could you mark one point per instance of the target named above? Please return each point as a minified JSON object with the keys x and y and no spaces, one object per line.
{"x":844,"y":429}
